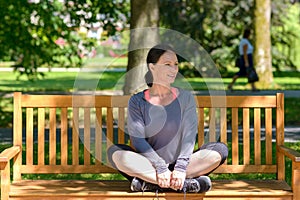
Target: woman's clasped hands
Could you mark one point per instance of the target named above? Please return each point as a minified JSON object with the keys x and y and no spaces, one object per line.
{"x":174,"y":179}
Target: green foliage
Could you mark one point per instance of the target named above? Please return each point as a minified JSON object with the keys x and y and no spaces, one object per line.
{"x":285,"y":37}
{"x":6,"y":117}
{"x":218,"y":26}
{"x":29,"y":31}
{"x":292,"y":114}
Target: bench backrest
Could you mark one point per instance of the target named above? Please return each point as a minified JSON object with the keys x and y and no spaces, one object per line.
{"x":70,"y":133}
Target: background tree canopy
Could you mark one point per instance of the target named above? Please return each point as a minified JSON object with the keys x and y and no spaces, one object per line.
{"x":37,"y":33}
{"x":218,"y":25}
{"x":31,"y":29}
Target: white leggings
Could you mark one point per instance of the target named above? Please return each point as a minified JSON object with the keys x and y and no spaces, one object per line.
{"x":131,"y":164}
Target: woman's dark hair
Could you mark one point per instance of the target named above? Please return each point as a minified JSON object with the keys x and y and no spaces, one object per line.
{"x":153,"y":56}
{"x":247,"y":33}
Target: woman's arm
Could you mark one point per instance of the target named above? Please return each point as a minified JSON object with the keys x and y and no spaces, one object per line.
{"x":245,"y":48}
{"x":189,"y":128}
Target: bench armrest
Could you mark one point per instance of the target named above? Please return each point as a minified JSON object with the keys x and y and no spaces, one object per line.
{"x":5,"y":157}
{"x":290,"y":153}
{"x":8,"y":154}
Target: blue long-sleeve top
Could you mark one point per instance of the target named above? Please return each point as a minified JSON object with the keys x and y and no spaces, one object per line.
{"x":163,"y":134}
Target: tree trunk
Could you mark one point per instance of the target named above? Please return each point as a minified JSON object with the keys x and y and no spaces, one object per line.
{"x":262,"y":43}
{"x":144,"y":34}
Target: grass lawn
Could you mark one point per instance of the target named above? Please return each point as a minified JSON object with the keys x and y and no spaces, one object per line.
{"x":66,"y":81}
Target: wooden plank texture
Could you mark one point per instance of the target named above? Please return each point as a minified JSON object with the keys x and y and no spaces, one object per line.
{"x":120,"y":190}
{"x":29,"y":136}
{"x":41,"y":136}
{"x":226,"y":115}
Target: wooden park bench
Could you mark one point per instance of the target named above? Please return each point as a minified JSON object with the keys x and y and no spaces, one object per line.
{"x":69,"y":134}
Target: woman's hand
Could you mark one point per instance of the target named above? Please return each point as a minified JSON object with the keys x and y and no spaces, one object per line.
{"x":164,"y":179}
{"x":177,"y":179}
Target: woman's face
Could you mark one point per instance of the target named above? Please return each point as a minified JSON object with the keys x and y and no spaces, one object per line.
{"x":165,"y":70}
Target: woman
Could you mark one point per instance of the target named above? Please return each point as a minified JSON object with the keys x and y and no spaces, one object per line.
{"x":246,"y":54}
{"x":162,"y":124}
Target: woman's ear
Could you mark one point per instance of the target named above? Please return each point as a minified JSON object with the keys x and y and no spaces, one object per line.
{"x":151,"y":66}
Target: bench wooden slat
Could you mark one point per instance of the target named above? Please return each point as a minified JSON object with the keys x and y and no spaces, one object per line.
{"x":54,"y":101}
{"x":280,"y":136}
{"x":29,"y":136}
{"x":41,"y":136}
{"x":75,"y":137}
{"x":235,"y":137}
{"x":257,"y":138}
{"x":17,"y":139}
{"x":109,"y":123}
{"x":268,"y":134}
{"x":236,"y":101}
{"x":87,"y":136}
{"x":121,"y":125}
{"x":200,"y":127}
{"x":235,"y":169}
{"x":68,"y":169}
{"x":64,"y":136}
{"x":246,"y":136}
{"x":212,"y":125}
{"x":223,"y":125}
{"x":52,"y":137}
{"x":229,"y":189}
{"x":98,"y":137}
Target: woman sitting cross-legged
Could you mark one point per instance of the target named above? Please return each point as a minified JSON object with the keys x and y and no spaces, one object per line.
{"x":162,"y":124}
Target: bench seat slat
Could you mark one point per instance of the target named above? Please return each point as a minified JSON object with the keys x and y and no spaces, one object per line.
{"x":31,"y":169}
{"x":120,"y":190}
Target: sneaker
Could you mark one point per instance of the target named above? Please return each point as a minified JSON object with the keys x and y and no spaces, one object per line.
{"x":138,"y":185}
{"x":205,"y":183}
{"x":191,"y":186}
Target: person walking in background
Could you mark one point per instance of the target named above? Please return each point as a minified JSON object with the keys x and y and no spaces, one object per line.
{"x":162,"y":124}
{"x":246,"y":59}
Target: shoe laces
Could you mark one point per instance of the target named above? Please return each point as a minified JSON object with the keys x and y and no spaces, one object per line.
{"x":184,"y":193}
{"x":191,"y":185}
{"x":156,"y":195}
